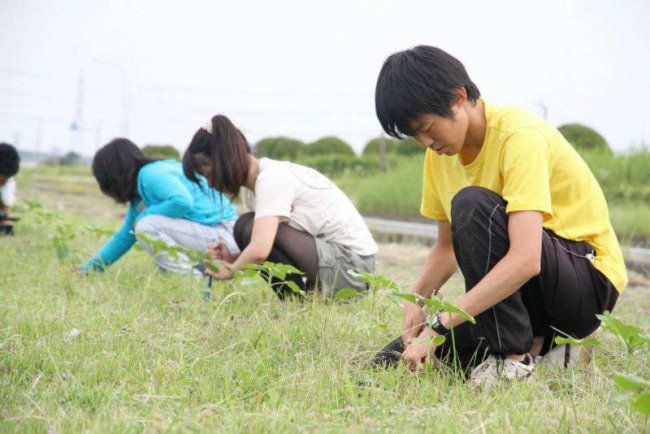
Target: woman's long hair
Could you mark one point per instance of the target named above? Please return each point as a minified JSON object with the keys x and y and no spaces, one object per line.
{"x":116,"y":166}
{"x":222,"y":147}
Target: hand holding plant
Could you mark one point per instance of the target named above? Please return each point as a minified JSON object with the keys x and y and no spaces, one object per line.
{"x":420,"y":350}
{"x":413,"y":322}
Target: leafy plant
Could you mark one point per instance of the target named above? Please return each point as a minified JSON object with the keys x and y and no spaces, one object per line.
{"x":434,"y":304}
{"x":177,"y":252}
{"x":274,"y":274}
{"x":631,"y":336}
{"x":63,"y":234}
{"x":637,"y":392}
{"x":561,"y":340}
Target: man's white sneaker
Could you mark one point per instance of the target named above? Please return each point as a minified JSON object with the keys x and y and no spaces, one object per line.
{"x":488,"y":373}
{"x":565,"y":355}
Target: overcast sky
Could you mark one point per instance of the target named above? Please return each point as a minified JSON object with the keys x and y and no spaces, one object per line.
{"x":157,"y":70}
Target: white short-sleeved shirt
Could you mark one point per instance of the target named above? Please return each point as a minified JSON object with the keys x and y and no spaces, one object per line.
{"x":8,"y":193}
{"x":310,"y":202}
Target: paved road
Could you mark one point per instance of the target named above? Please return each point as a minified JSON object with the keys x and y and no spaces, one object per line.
{"x":636,"y":258}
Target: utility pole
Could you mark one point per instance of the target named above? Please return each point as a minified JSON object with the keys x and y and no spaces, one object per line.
{"x":76,"y":127}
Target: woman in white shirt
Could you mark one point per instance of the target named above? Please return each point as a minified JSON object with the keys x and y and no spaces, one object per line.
{"x":299,"y":217}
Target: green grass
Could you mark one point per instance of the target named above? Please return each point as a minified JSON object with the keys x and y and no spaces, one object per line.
{"x":152,"y":355}
{"x":397,"y":193}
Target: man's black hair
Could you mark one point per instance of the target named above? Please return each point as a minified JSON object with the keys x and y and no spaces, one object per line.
{"x":419,"y":81}
{"x":9,"y":160}
{"x":116,"y":167}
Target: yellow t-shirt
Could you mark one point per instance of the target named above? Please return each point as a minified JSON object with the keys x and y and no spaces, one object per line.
{"x":530,"y":164}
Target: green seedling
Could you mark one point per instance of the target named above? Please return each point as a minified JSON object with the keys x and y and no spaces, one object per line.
{"x":631,"y":336}
{"x":561,"y":340}
{"x":570,"y":340}
{"x":64,"y":233}
{"x":375,"y":281}
{"x":346,"y":293}
{"x":178,"y":252}
{"x":269,"y":271}
{"x":637,"y":392}
{"x":434,"y":304}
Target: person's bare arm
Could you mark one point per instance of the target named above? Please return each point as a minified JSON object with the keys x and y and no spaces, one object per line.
{"x":438,"y":268}
{"x":259,"y":248}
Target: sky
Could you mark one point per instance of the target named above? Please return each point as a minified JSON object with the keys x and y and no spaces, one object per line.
{"x":75,"y":74}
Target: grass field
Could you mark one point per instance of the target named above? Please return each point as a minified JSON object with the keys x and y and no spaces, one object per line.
{"x":133,"y":350}
{"x":397,"y":193}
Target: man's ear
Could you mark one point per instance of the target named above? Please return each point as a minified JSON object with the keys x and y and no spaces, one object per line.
{"x":460,"y":98}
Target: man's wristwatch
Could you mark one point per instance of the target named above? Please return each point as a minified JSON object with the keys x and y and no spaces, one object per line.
{"x":434,"y":323}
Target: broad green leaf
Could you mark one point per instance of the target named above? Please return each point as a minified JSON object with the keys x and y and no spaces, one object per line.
{"x":630,"y":382}
{"x":406,"y":296}
{"x":212,"y":266}
{"x":375,"y":281}
{"x":435,"y":304}
{"x":246,"y":273}
{"x":346,"y":293}
{"x":438,"y":340}
{"x":641,"y":403}
{"x":435,"y":340}
{"x":631,"y":335}
{"x":294,"y":287}
{"x":561,"y":340}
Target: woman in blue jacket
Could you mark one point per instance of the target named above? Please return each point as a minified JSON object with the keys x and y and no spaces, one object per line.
{"x":163,"y":205}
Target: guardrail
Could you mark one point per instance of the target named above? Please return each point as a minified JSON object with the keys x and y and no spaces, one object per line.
{"x":636,"y":258}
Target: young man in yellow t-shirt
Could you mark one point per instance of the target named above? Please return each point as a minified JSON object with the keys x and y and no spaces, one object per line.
{"x":518,"y":211}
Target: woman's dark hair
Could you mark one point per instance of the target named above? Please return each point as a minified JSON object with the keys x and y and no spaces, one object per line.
{"x":116,"y":166}
{"x":9,"y":160}
{"x":225,"y":150}
{"x":419,"y":81}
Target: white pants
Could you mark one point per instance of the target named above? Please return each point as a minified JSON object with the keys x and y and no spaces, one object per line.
{"x":184,"y":233}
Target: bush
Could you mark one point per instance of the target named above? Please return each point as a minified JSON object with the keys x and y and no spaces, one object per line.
{"x":372,"y":147}
{"x":583,"y":137}
{"x":334,"y":165}
{"x":162,"y":151}
{"x":70,"y":159}
{"x":330,"y":145}
{"x":280,"y":148}
{"x":408,"y":146}
{"x":623,"y":177}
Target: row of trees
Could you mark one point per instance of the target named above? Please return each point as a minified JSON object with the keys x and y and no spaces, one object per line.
{"x":291,"y":149}
{"x":582,"y":137}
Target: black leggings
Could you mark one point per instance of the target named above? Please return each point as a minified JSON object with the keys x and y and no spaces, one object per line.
{"x":291,"y":246}
{"x":566,"y":295}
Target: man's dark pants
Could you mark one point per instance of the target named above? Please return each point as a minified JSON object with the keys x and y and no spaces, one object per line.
{"x":565,"y":296}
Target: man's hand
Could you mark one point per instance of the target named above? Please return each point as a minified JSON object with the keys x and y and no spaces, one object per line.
{"x":419,"y":352}
{"x":414,"y":320}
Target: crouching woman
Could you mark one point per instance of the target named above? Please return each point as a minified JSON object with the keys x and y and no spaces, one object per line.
{"x":163,"y":205}
{"x":299,"y":216}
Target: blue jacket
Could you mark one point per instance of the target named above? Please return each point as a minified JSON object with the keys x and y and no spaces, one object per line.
{"x":164,"y":190}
